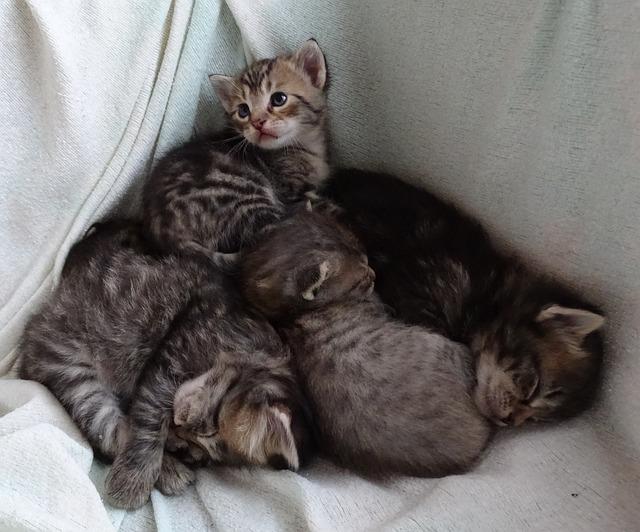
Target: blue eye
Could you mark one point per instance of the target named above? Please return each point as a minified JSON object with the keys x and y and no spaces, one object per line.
{"x":278,"y":99}
{"x":243,"y":110}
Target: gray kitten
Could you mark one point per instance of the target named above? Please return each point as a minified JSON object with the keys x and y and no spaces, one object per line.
{"x":125,"y":329}
{"x":217,"y":195}
{"x":386,"y":397}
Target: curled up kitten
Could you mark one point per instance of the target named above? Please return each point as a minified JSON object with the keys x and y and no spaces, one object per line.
{"x":385,"y":397}
{"x":125,"y":328}
{"x":536,"y":345}
{"x":217,"y":195}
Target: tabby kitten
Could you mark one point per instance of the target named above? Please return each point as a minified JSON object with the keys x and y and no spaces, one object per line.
{"x":125,"y":329}
{"x":537,"y":347}
{"x":213,"y":195}
{"x":386,"y":397}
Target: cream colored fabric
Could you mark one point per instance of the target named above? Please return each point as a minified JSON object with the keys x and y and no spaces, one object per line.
{"x":526,"y":113}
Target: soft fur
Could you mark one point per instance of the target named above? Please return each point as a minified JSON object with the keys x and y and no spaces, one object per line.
{"x":219,"y":194}
{"x":121,"y":334}
{"x":537,"y":346}
{"x":386,"y":397}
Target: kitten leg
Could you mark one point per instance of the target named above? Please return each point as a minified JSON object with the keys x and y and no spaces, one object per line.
{"x":137,"y":468}
{"x":174,"y":476}
{"x":93,"y":407}
{"x":196,"y":400}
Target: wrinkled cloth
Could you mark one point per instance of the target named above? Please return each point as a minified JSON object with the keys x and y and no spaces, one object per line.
{"x":527,"y":114}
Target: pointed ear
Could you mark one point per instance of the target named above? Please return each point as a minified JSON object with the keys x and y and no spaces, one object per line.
{"x":280,"y":444}
{"x":225,"y":87}
{"x":310,"y":59}
{"x":577,"y":322}
{"x":311,"y":278}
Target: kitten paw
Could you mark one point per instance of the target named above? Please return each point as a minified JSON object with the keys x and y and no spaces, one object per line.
{"x":188,"y":404}
{"x":186,"y":451}
{"x":174,"y":476}
{"x":126,"y":486}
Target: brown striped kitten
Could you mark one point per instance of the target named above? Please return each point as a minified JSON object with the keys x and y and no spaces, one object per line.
{"x":385,"y":397}
{"x":538,"y":346}
{"x":126,"y":328}
{"x":217,"y":195}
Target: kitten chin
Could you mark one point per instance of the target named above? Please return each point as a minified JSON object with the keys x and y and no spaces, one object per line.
{"x":222,"y":194}
{"x":279,"y":102}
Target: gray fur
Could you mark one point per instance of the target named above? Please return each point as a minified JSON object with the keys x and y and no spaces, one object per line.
{"x":220,"y":194}
{"x":386,"y":397}
{"x":124,"y":330}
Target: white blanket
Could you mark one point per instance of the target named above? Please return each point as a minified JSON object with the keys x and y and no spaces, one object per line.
{"x":527,"y":113}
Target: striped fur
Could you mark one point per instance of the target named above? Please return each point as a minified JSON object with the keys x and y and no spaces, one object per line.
{"x":124,"y":329}
{"x":386,"y":397}
{"x":538,"y":346}
{"x":219,"y":194}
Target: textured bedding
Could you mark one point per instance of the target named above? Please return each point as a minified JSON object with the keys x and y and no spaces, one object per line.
{"x":526,"y":113}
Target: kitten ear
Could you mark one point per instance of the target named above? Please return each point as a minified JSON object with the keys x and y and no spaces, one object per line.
{"x":310,"y":279}
{"x":577,"y":322}
{"x":310,"y":59}
{"x":263,"y":434}
{"x":280,"y":444}
{"x":225,"y":87}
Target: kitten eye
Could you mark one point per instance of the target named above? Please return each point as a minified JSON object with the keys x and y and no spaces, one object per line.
{"x":243,"y":110}
{"x":278,"y":99}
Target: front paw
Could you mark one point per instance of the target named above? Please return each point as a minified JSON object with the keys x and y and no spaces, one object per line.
{"x":174,"y":476}
{"x":128,"y":487}
{"x":188,"y":403}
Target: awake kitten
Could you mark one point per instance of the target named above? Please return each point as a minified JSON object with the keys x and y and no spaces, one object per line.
{"x":537,"y":347}
{"x":211,"y":195}
{"x":386,"y":397}
{"x":125,"y":329}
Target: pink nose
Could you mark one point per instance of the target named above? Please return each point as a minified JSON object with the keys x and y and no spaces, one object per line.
{"x":258,"y":124}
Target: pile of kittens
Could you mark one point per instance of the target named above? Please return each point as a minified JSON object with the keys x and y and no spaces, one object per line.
{"x":237,"y":322}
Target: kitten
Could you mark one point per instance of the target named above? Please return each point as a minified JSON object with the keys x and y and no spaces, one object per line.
{"x":386,"y":397}
{"x":218,"y":195}
{"x":537,"y":347}
{"x":125,"y":329}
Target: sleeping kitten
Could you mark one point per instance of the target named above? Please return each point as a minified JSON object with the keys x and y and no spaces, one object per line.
{"x":218,"y":195}
{"x":125,"y":329}
{"x":386,"y":397}
{"x":537,"y":347}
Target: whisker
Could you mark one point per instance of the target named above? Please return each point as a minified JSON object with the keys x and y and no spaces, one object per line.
{"x":229,"y":139}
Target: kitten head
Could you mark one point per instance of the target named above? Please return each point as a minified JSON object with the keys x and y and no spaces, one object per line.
{"x":306,"y":262}
{"x":240,"y":415}
{"x":543,"y":367}
{"x":277,"y":102}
